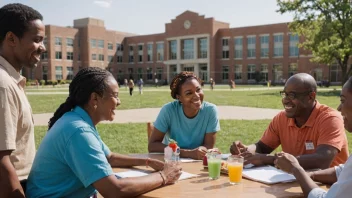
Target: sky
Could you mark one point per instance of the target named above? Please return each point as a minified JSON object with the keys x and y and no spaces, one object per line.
{"x":149,"y":16}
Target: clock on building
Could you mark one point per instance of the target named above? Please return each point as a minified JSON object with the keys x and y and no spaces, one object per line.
{"x":187,"y":24}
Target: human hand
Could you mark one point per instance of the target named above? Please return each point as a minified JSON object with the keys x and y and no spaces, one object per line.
{"x":286,"y":162}
{"x":171,"y":172}
{"x":256,"y":159}
{"x":156,"y":164}
{"x":199,"y":153}
{"x":237,"y":148}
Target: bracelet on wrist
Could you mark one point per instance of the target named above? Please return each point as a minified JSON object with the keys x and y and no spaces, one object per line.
{"x":163,"y":177}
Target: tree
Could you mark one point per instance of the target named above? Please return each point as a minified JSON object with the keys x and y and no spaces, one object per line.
{"x":326,"y":26}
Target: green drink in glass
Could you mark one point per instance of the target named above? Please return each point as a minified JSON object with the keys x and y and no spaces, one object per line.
{"x":214,"y":165}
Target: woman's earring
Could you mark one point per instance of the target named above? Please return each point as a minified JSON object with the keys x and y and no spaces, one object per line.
{"x":95,"y":106}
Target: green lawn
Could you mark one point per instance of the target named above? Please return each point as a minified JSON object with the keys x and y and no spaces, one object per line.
{"x":261,"y":99}
{"x":132,"y":138}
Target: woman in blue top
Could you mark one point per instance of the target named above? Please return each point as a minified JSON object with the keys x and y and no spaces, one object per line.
{"x":189,"y":120}
{"x":73,"y":161}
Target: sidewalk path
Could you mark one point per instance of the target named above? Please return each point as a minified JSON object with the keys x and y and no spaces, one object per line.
{"x":150,"y":114}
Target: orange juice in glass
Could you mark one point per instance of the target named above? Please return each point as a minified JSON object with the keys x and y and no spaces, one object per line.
{"x":235,"y":167}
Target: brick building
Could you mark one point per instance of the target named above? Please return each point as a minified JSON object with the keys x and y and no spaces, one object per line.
{"x":190,"y":42}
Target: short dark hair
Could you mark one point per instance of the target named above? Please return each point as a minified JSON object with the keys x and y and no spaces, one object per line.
{"x":15,"y":18}
{"x":179,"y":80}
{"x":87,"y":81}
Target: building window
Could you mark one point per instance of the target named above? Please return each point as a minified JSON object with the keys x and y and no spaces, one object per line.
{"x":119,"y":47}
{"x":69,"y":55}
{"x":140,"y":73}
{"x":225,"y":72}
{"x":58,"y":55}
{"x":45,"y":72}
{"x":110,"y":46}
{"x":264,"y":46}
{"x":203,"y":48}
{"x":225,"y":48}
{"x":160,"y":51}
{"x":149,"y":74}
{"x":140,"y":53}
{"x":101,"y":44}
{"x":79,"y":42}
{"x":119,"y":59}
{"x":264,"y":72}
{"x":131,"y":59}
{"x":101,"y":57}
{"x":150,"y":52}
{"x":251,"y":72}
{"x":110,"y":59}
{"x":188,"y":48}
{"x":238,"y":48}
{"x":294,"y":40}
{"x":335,"y":73}
{"x":131,"y":48}
{"x":159,"y":73}
{"x":278,"y":45}
{"x":251,"y":47}
{"x":69,"y":42}
{"x":292,"y":69}
{"x":318,"y":74}
{"x":58,"y":72}
{"x":173,"y":50}
{"x":69,"y":73}
{"x":238,"y":72}
{"x":94,"y":57}
{"x":277,"y":73}
{"x":58,"y":41}
{"x":225,"y":42}
{"x":79,"y":57}
{"x":93,"y":43}
{"x":44,"y":56}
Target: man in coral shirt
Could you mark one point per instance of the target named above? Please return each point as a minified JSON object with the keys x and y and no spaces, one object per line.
{"x":312,"y":132}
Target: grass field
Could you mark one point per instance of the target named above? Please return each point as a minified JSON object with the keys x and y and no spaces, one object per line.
{"x":132,"y":138}
{"x":261,"y":99}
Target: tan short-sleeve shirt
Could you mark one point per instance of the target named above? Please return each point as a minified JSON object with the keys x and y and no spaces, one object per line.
{"x":16,"y":120}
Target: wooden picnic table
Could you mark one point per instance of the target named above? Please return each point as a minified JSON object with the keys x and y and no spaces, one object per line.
{"x":202,"y":187}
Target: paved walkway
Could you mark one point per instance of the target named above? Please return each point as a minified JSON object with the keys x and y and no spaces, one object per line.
{"x":150,"y":114}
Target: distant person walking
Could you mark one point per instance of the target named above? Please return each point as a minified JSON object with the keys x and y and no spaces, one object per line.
{"x":212,"y":84}
{"x":232,"y":84}
{"x":140,"y":86}
{"x":156,"y":82}
{"x":131,"y":85}
{"x":125,"y":83}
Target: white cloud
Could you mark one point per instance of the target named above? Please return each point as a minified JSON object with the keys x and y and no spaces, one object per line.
{"x":103,"y":3}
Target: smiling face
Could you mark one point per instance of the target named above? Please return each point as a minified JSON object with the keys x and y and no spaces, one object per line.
{"x":345,"y":106}
{"x":28,"y":49}
{"x":191,"y":95}
{"x":109,"y":101}
{"x":300,"y":104}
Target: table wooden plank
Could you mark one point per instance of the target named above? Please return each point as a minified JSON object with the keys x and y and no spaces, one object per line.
{"x":202,"y":187}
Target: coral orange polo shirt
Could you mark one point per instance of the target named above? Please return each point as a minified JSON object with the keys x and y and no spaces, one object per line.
{"x":324,"y":126}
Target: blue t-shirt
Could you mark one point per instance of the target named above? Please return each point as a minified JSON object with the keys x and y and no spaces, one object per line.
{"x":189,"y":133}
{"x":70,"y":158}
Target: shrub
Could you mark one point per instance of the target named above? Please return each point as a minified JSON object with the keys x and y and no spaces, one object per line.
{"x":42,"y":82}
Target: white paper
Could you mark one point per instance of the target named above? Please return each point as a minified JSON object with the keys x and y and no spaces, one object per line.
{"x":185,"y":160}
{"x":139,"y":173}
{"x":267,"y":175}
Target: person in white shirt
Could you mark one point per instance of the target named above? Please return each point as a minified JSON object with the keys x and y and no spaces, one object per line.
{"x":339,"y":176}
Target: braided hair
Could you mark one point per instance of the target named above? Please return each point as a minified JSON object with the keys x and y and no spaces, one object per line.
{"x":87,"y":81}
{"x":179,"y":80}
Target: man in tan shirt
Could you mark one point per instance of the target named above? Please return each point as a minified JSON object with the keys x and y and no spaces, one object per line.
{"x":21,"y":45}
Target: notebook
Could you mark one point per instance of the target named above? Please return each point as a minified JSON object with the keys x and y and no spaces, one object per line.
{"x":267,"y":175}
{"x":140,"y":173}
